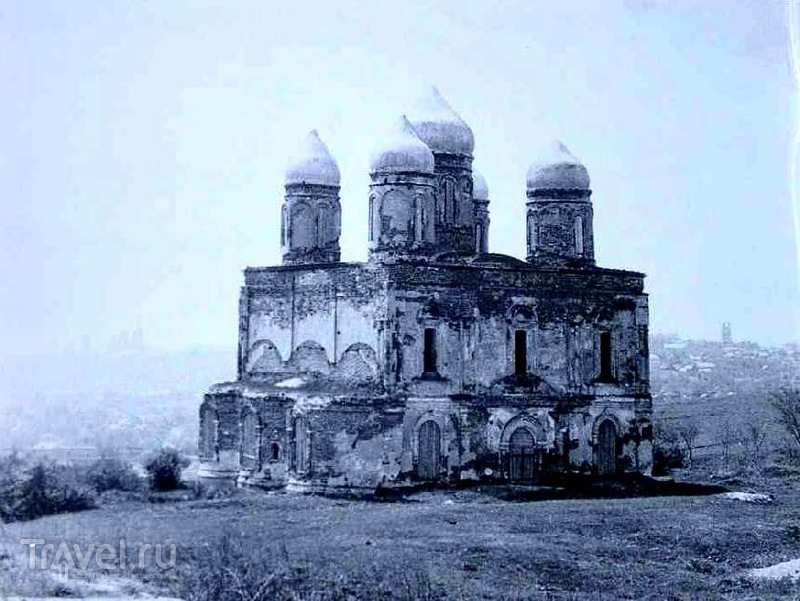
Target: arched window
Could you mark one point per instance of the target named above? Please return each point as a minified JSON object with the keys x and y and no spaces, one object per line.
{"x":450,"y":202}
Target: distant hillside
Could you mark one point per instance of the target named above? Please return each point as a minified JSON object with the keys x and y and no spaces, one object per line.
{"x":140,"y":400}
{"x":712,"y":384}
{"x":127,"y":400}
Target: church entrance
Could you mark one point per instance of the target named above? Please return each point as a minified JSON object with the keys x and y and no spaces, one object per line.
{"x":606,"y":450}
{"x":524,"y":459}
{"x":430,"y":449}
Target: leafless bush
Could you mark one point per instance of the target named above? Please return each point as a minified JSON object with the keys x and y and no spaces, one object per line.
{"x":667,"y":449}
{"x":786,"y":403}
{"x":729,"y":437}
{"x":688,"y":433}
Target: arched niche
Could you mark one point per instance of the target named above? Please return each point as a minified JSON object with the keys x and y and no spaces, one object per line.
{"x":264,"y":357}
{"x":359,"y":362}
{"x":395,"y":215}
{"x":303,"y":226}
{"x":310,"y":356}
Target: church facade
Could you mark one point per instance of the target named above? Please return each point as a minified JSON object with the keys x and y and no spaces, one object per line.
{"x":434,"y":360}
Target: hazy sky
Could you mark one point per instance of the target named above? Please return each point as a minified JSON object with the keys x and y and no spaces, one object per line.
{"x":143,"y":145}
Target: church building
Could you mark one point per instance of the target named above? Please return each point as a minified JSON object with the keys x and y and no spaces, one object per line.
{"x":435,"y":360}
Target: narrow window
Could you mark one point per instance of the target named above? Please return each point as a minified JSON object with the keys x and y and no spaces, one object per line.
{"x":371,"y":218}
{"x":479,"y":238}
{"x":276,"y":451}
{"x":605,"y":356}
{"x":579,"y":235}
{"x":450,"y":205}
{"x":429,"y":357}
{"x":520,"y":352}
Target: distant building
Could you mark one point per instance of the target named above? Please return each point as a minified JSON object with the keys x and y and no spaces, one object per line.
{"x":727,"y":337}
{"x":435,"y":359}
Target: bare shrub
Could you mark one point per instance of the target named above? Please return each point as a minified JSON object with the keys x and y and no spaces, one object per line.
{"x":668,"y":453}
{"x":729,"y":436}
{"x":754,"y":437}
{"x":786,"y":403}
{"x":688,"y":433}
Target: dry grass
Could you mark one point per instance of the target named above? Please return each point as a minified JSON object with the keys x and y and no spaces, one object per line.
{"x":460,"y":545}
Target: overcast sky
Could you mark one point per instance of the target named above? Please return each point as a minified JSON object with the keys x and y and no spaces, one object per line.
{"x":143,"y":145}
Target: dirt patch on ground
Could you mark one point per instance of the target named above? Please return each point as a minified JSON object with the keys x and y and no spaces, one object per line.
{"x":558,"y":487}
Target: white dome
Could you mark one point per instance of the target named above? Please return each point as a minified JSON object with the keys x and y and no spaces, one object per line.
{"x":558,"y":169}
{"x":440,"y":127}
{"x":480,"y":191}
{"x":313,"y":164}
{"x":401,"y":151}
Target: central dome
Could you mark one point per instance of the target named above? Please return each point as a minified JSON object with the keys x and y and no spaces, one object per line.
{"x":558,"y":170}
{"x":440,"y":127}
{"x":313,"y":164}
{"x":401,"y":151}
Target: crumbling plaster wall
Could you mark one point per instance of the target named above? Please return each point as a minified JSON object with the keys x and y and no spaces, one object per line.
{"x":475,"y":314}
{"x":334,"y":307}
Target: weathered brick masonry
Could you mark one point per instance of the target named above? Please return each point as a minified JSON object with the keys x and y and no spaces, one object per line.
{"x":434,"y":360}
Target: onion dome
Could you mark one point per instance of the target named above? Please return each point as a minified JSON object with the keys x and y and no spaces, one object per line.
{"x":401,"y":151}
{"x":440,"y":127}
{"x":480,"y":191}
{"x":313,"y":164}
{"x":559,"y":170}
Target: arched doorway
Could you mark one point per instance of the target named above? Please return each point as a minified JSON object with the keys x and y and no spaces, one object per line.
{"x":524,"y":459}
{"x":606,"y":450}
{"x":430,"y":449}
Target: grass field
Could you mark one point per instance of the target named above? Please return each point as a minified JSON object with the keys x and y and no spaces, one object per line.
{"x":454,"y":545}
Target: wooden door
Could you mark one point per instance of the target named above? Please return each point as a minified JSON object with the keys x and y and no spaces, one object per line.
{"x":524,"y":457}
{"x":430,"y":449}
{"x":606,"y":459}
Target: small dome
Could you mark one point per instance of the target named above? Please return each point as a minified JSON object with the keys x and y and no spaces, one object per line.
{"x":313,"y":164}
{"x":480,"y":191}
{"x":559,"y":169}
{"x":401,"y":151}
{"x":440,"y":127}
